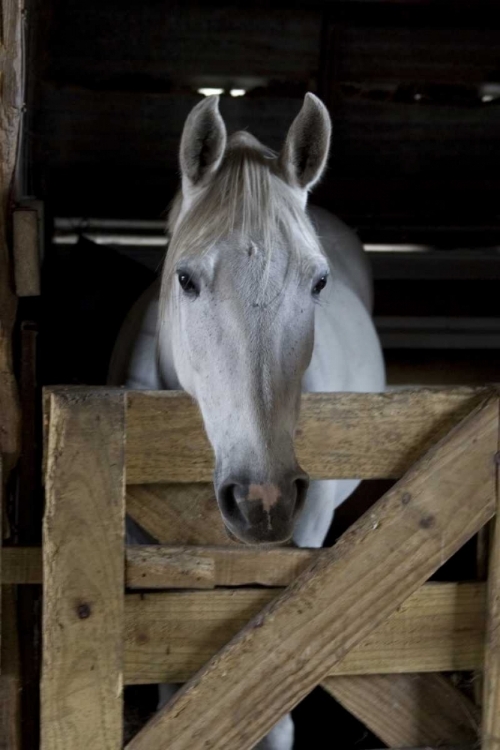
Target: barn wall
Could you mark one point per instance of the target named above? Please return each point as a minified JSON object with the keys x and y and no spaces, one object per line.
{"x":415,"y":147}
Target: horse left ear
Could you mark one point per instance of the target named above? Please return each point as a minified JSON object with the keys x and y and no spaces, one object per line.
{"x":303,"y":157}
{"x":203,"y":142}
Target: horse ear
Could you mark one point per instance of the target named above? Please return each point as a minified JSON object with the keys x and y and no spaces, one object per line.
{"x":303,"y":157}
{"x":203,"y":141}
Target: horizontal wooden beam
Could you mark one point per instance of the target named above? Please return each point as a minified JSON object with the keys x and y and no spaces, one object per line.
{"x":342,"y":435}
{"x":160,"y":567}
{"x":208,"y":567}
{"x":348,"y":435}
{"x":341,"y":599}
{"x":170,"y":636}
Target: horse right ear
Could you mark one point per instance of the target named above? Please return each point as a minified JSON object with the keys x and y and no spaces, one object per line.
{"x":203,"y":143}
{"x":303,"y":158}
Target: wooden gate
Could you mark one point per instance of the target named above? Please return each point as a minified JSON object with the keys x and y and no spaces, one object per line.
{"x":357,"y":618}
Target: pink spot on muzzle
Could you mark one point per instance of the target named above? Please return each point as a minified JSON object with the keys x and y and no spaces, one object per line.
{"x":268,"y":494}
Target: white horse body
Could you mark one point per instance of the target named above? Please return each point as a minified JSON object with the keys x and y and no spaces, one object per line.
{"x":346,"y":355}
{"x":234,"y":320}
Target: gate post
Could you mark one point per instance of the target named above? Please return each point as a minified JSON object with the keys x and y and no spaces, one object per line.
{"x":83,"y":571}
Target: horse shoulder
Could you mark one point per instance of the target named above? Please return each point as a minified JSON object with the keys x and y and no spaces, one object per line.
{"x":345,"y":252}
{"x":133,"y":362}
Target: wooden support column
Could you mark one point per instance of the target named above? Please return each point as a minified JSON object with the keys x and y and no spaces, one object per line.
{"x":491,"y":688}
{"x":297,"y":639}
{"x":82,"y":670}
{"x":10,"y":117}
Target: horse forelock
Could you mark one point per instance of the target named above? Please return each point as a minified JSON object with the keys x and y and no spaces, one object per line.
{"x":248,"y":196}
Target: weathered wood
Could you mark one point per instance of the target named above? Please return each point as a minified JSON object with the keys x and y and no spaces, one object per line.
{"x":10,"y":679}
{"x":491,"y":685}
{"x":440,"y":628}
{"x":207,"y":567}
{"x":170,"y":636}
{"x":26,"y":252}
{"x":180,"y":567}
{"x":408,"y":709}
{"x":81,"y":690}
{"x":443,"y":501}
{"x":347,"y":435}
{"x":10,"y":117}
{"x":178,"y":513}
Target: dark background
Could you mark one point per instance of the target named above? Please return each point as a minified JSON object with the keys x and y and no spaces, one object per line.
{"x":413,"y":89}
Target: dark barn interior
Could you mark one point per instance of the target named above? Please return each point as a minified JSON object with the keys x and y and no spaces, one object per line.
{"x":413,"y":89}
{"x":414,"y":95}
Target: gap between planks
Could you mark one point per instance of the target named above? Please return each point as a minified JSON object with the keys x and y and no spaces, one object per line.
{"x":440,"y":628}
{"x":339,"y":601}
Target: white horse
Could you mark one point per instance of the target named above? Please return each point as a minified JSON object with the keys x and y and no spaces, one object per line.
{"x":260,"y":299}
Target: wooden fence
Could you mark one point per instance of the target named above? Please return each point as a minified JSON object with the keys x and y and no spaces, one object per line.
{"x":359,"y":618}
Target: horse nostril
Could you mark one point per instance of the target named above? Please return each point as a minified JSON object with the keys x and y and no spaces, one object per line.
{"x":301,"y":487}
{"x":227,"y":502}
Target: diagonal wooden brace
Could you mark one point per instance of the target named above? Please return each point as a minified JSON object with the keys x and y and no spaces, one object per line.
{"x":294,"y":643}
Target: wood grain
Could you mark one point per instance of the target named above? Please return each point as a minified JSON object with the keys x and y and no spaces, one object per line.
{"x":440,"y":627}
{"x":491,"y":685}
{"x":348,"y":435}
{"x":83,"y":560}
{"x":406,"y":710}
{"x":170,"y":636}
{"x":178,"y":513}
{"x":208,"y":567}
{"x":26,"y":252}
{"x":161,"y":567}
{"x":11,"y":97}
{"x":11,"y":94}
{"x":296,"y":641}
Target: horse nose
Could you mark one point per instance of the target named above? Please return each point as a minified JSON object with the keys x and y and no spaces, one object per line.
{"x":262,"y":512}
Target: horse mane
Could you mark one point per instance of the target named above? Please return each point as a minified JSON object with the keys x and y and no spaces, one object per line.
{"x":247,"y":195}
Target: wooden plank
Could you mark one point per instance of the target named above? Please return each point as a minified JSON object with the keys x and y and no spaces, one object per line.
{"x":160,"y":567}
{"x":83,"y":534}
{"x":26,"y":252}
{"x":491,"y":684}
{"x":10,"y":679}
{"x":348,"y":435}
{"x":207,"y":567}
{"x":406,"y":710}
{"x":11,"y":95}
{"x":178,"y":513}
{"x":297,"y":640}
{"x":170,"y":636}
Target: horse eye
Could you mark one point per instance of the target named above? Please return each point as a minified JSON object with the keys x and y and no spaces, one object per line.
{"x":187,"y":283}
{"x":319,"y":285}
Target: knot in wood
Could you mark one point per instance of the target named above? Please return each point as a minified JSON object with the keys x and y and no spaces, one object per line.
{"x":427,"y":522}
{"x":83,"y":611}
